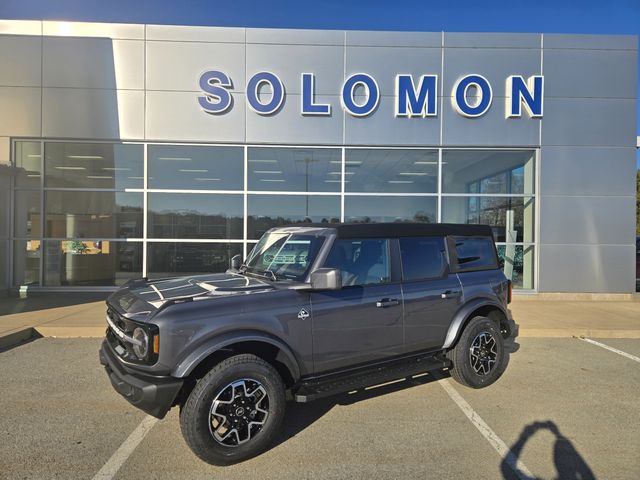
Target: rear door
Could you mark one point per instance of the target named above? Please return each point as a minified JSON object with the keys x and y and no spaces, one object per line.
{"x":362,"y":322}
{"x":432,"y":294}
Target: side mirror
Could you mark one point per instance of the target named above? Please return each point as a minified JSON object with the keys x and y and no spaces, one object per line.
{"x":236,"y":262}
{"x":326,"y":279}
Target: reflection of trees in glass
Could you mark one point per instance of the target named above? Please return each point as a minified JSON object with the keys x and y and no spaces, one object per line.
{"x":493,"y":211}
{"x":192,"y":223}
{"x":518,"y":263}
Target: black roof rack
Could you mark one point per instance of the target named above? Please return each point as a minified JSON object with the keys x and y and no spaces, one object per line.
{"x":369,"y":230}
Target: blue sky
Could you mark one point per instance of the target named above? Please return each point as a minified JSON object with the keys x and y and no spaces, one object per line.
{"x":564,"y":16}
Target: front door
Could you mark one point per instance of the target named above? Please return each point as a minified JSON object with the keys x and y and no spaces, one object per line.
{"x":362,"y":322}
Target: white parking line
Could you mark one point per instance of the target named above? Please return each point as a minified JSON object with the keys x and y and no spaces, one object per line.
{"x":109,"y":470}
{"x":611,"y":349}
{"x":519,"y":468}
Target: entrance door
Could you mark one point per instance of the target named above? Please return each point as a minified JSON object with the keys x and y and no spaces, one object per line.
{"x":362,"y":322}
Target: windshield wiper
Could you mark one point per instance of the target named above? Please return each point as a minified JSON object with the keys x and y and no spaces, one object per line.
{"x":272,"y":274}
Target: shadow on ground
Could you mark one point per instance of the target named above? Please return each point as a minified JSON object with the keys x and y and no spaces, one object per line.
{"x":36,"y":302}
{"x":568,"y":463}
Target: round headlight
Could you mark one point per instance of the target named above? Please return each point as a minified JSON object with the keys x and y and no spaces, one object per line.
{"x":142,"y":349}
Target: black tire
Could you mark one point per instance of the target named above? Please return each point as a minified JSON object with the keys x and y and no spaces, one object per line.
{"x":477,"y":371}
{"x":196,"y":420}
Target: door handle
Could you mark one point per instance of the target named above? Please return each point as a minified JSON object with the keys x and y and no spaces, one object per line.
{"x":387,"y":302}
{"x":450,"y":294}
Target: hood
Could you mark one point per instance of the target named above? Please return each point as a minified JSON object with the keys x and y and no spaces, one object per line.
{"x":143,"y":296}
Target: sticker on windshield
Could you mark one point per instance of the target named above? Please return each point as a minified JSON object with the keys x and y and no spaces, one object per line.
{"x":303,"y":314}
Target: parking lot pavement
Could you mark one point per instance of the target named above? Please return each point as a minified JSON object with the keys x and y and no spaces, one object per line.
{"x":563,"y":407}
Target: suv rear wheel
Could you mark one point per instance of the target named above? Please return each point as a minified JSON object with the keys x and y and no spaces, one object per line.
{"x":235,"y":411}
{"x":479,"y":357}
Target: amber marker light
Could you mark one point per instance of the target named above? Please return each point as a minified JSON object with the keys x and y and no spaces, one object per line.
{"x":156,"y":343}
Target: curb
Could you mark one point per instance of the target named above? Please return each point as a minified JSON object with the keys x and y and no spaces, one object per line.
{"x":16,"y":338}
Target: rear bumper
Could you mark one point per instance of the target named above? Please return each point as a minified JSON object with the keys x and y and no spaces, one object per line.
{"x":153,"y":395}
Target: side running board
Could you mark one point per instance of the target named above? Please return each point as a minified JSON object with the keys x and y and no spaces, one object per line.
{"x":314,"y":389}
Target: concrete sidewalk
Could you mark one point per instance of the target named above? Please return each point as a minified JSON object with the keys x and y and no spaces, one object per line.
{"x":81,"y":315}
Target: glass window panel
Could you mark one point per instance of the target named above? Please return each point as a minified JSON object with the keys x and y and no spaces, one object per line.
{"x":93,"y":165}
{"x":27,"y":213}
{"x":294,"y":169}
{"x":5,"y":192}
{"x":268,"y":211}
{"x":188,"y":215}
{"x":517,"y":262}
{"x":91,"y":263}
{"x":26,"y":262}
{"x":179,"y":258}
{"x":475,"y":253}
{"x":361,"y":261}
{"x":422,"y":258}
{"x":93,"y":214}
{"x":390,"y":209}
{"x":498,"y":212}
{"x":195,"y":167}
{"x":391,"y":171}
{"x":28,"y":161}
{"x":488,"y":171}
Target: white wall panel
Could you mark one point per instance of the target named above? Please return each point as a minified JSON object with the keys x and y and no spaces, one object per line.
{"x":93,"y":63}
{"x":182,"y":33}
{"x":21,"y":27}
{"x":88,"y":29}
{"x":20,"y":112}
{"x":177,"y":116}
{"x":5,"y":150}
{"x":178,"y":65}
{"x":20,"y":61}
{"x":90,"y":113}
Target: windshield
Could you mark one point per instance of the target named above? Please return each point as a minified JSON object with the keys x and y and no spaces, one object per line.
{"x":283,"y":255}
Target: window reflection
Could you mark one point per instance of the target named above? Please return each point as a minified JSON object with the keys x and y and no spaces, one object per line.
{"x":391,"y":171}
{"x":488,"y":171}
{"x":93,"y":214}
{"x":176,"y":215}
{"x":27,"y":213}
{"x":268,"y":211}
{"x":195,"y":167}
{"x":180,"y":258}
{"x":26,"y":262}
{"x":91,"y":263}
{"x":93,"y":165}
{"x":517,"y":262}
{"x":28,"y":159}
{"x":371,"y":209}
{"x":294,"y":169}
{"x":511,"y":218}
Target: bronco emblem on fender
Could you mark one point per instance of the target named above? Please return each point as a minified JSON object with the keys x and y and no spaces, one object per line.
{"x":303,"y":314}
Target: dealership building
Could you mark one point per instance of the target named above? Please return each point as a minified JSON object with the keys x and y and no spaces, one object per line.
{"x":133,"y":150}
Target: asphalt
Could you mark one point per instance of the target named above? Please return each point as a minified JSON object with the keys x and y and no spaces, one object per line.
{"x":564,"y":407}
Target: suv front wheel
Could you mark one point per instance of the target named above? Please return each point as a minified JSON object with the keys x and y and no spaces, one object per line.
{"x":235,"y":411}
{"x":479,"y":357}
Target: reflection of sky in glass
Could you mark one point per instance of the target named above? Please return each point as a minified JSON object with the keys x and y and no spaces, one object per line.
{"x":196,"y":167}
{"x":391,"y":209}
{"x":391,"y":171}
{"x":294,"y":169}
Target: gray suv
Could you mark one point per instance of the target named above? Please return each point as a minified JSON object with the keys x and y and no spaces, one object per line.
{"x":313,"y":311}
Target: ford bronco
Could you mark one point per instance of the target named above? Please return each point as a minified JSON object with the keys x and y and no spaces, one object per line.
{"x":314,"y":310}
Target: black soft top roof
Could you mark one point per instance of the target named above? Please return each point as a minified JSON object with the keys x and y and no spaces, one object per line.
{"x":361,"y":230}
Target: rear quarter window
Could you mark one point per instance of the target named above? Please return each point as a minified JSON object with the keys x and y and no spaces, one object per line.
{"x":423,"y":258}
{"x":474,"y":253}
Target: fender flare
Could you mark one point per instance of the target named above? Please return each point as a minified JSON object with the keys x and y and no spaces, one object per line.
{"x":462,"y":316}
{"x":191,"y":361}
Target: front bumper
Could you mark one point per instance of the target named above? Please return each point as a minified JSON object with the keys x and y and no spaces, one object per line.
{"x":153,"y":395}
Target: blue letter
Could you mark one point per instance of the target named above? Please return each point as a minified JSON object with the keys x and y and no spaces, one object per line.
{"x":373,"y":95}
{"x":459,"y":96}
{"x":529,"y":93}
{"x":308,"y":93}
{"x":422,"y":104}
{"x":253,"y":87}
{"x":216,"y":98}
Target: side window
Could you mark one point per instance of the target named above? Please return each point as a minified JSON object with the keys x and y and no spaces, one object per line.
{"x":422,"y":258}
{"x":475,"y":253}
{"x":361,"y":262}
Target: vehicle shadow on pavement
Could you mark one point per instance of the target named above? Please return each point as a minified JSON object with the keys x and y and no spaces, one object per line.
{"x":568,"y":462}
{"x":299,"y":416}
